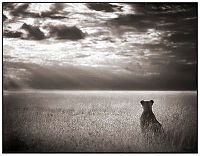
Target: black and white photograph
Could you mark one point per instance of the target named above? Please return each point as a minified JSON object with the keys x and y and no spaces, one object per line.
{"x":99,"y":77}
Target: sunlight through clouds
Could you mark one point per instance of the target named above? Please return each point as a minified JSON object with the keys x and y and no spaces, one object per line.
{"x":125,"y":39}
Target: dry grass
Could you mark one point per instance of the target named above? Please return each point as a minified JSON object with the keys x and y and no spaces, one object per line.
{"x":96,"y":122}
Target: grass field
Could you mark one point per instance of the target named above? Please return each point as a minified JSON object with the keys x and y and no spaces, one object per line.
{"x":96,"y":121}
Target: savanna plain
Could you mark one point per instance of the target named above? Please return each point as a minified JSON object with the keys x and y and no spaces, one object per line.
{"x":96,"y":121}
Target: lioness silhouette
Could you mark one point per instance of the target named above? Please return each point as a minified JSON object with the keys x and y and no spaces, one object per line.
{"x":148,"y":122}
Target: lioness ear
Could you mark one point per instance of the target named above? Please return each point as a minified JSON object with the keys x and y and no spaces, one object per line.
{"x":142,"y":102}
{"x":152,"y":102}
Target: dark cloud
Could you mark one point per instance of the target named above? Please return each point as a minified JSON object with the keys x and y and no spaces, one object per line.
{"x":7,"y":6}
{"x":184,"y":25}
{"x":20,"y":9}
{"x":4,"y":18}
{"x":52,"y":16}
{"x":64,"y":32}
{"x":160,"y":16}
{"x":106,"y":7}
{"x":59,"y":32}
{"x":174,"y":75}
{"x":33,"y":32}
{"x":12,"y":34}
{"x":140,"y":22}
{"x":182,"y":37}
{"x":164,"y":9}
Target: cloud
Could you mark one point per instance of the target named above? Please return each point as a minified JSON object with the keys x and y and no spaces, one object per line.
{"x":64,"y":32}
{"x":58,"y":77}
{"x":140,"y":22}
{"x":12,"y":34}
{"x":54,"y":12}
{"x":19,"y":9}
{"x":106,"y":7}
{"x":183,"y":37}
{"x":71,"y":77}
{"x":14,"y":77}
{"x":7,"y":6}
{"x":33,"y":32}
{"x":159,"y":16}
{"x":59,"y":32}
{"x":174,"y":75}
{"x":151,"y":47}
{"x":23,"y":10}
{"x":29,"y":33}
{"x":4,"y":18}
{"x":170,"y":9}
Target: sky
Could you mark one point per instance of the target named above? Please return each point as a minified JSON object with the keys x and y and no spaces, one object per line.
{"x":100,"y":46}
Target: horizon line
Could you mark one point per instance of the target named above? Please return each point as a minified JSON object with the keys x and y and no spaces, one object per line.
{"x":63,"y":90}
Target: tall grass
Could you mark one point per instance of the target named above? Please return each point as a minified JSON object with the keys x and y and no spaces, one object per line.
{"x":96,"y":122}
